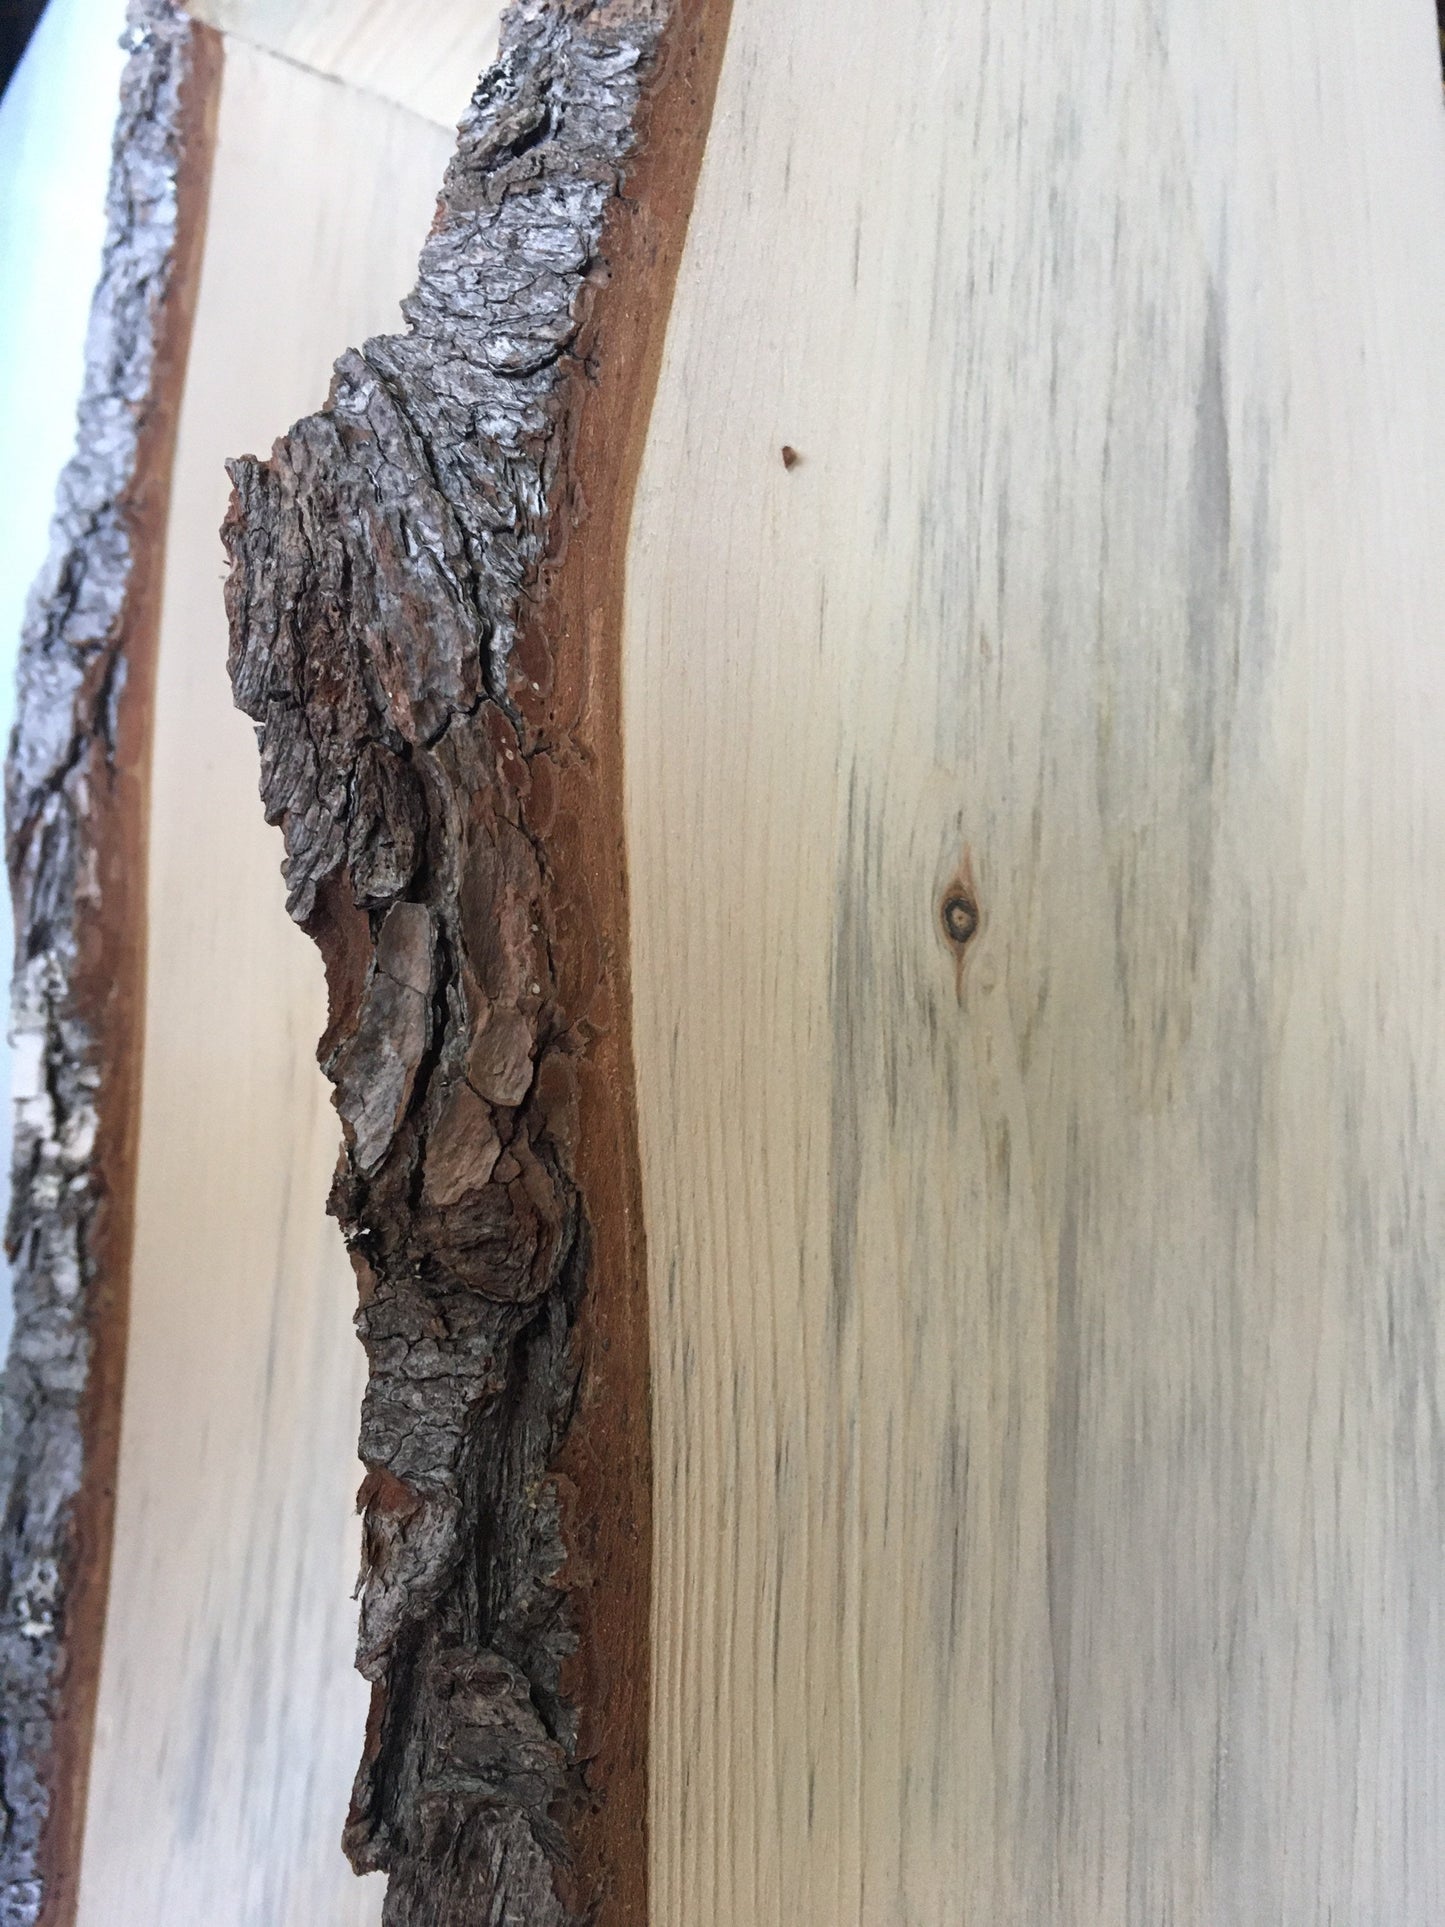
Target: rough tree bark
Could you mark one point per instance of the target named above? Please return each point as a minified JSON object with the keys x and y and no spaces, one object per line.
{"x":425,"y":590}
{"x":75,"y":794}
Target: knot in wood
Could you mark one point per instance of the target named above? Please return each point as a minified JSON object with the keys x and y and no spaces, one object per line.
{"x":960,"y":917}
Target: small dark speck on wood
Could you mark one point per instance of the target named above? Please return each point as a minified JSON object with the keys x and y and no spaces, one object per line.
{"x":791,"y":457}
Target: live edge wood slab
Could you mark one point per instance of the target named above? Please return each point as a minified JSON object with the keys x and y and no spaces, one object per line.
{"x":1032,"y":692}
{"x":75,"y":812}
{"x":425,"y":603}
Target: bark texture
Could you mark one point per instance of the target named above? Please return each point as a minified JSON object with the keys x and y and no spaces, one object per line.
{"x":388,"y":563}
{"x":74,"y":803}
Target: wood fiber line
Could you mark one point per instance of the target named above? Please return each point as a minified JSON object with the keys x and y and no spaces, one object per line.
{"x":76,"y":805}
{"x":426,"y":605}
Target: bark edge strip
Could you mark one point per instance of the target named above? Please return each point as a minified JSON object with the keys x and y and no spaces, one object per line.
{"x":425,"y":605}
{"x":76,"y":809}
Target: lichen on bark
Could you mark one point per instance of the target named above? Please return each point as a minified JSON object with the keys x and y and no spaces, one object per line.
{"x":388,"y":561}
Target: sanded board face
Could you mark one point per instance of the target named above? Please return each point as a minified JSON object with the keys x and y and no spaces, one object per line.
{"x":424,"y":57}
{"x":229,"y":1715}
{"x":1047,"y":1358}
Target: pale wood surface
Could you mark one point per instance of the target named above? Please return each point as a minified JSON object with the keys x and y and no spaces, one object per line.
{"x":1050,"y":1481}
{"x":230,"y":1717}
{"x":423,"y":54}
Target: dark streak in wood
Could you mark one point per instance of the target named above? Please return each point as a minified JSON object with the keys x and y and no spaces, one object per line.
{"x":425,"y":605}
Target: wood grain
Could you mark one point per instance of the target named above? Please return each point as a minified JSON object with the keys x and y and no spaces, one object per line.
{"x":606,"y":1459}
{"x":228,"y":1705}
{"x":1046,"y":1333}
{"x":423,"y":57}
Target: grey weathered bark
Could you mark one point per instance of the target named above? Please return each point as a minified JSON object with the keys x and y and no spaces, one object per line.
{"x":409,"y":634}
{"x":74,"y":814}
